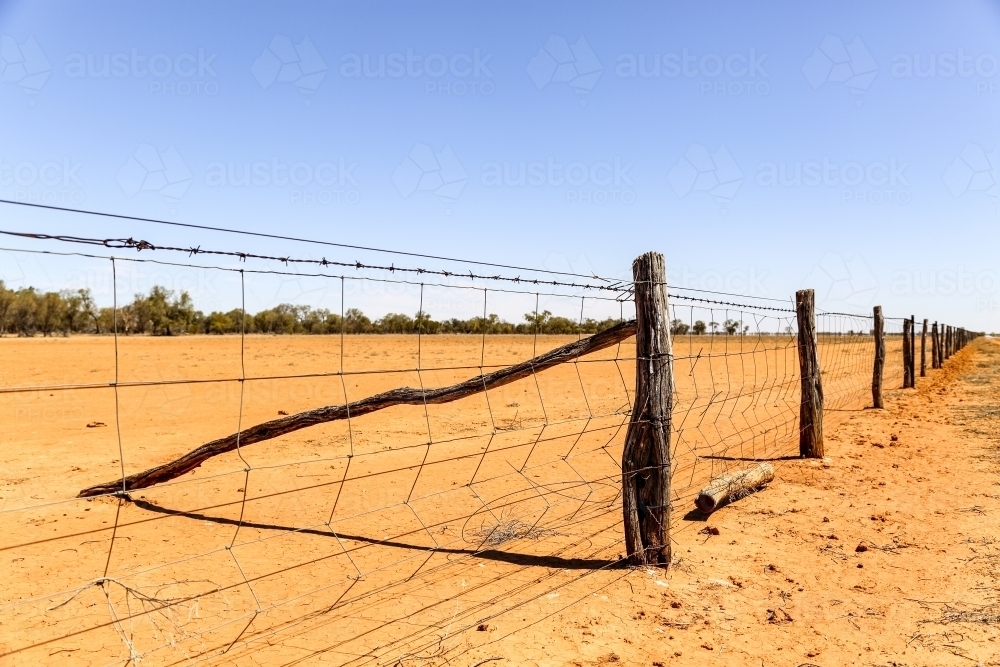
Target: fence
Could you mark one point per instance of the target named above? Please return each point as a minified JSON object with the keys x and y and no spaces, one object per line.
{"x":450,"y":480}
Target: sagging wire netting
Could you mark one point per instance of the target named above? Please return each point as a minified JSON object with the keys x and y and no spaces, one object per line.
{"x":737,"y":383}
{"x":379,"y":538}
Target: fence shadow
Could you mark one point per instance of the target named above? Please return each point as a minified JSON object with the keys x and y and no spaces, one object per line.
{"x":487,"y":554}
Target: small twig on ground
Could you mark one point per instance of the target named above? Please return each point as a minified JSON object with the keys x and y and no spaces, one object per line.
{"x":485,"y":660}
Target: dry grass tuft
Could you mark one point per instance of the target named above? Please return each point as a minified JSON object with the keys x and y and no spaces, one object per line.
{"x":508,"y":530}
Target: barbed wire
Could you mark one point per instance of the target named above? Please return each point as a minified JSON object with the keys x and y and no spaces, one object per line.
{"x":140,"y":245}
{"x":615,"y":285}
{"x":281,"y":237}
{"x":624,"y":294}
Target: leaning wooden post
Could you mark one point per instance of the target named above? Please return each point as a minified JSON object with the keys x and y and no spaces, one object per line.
{"x":646,"y":458}
{"x":907,"y":353}
{"x":923,"y":350}
{"x":811,"y":403}
{"x":944,"y":343}
{"x":935,"y":347}
{"x":879,"y":332}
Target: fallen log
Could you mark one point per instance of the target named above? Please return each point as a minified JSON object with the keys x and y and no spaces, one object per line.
{"x":733,"y":486}
{"x":401,"y":396}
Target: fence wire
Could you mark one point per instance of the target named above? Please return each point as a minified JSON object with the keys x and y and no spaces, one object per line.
{"x":379,"y":539}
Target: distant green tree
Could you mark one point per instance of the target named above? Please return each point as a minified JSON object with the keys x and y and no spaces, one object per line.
{"x":7,"y":299}
{"x":678,"y":328}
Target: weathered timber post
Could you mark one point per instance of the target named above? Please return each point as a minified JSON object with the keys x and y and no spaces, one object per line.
{"x":811,"y":405}
{"x":935,"y":347}
{"x":913,"y":351}
{"x":923,"y":350}
{"x":879,"y":332}
{"x":646,"y":458}
{"x":947,"y":342}
{"x":907,"y":353}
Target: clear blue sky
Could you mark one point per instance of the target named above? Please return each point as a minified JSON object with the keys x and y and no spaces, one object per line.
{"x":850,"y":147}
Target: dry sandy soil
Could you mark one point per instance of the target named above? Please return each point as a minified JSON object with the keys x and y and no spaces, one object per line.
{"x":500,"y":540}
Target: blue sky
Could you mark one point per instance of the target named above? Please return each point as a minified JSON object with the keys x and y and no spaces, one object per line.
{"x":849,"y":147}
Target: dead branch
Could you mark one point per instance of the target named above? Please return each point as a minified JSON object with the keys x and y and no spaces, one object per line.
{"x":388,"y":399}
{"x":732,"y":487}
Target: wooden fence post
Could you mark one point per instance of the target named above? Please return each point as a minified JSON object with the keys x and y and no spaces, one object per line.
{"x":935,"y":347}
{"x":879,"y":358}
{"x":923,"y":350}
{"x":811,"y":405}
{"x":913,"y":351}
{"x":907,"y":353}
{"x":646,"y":457}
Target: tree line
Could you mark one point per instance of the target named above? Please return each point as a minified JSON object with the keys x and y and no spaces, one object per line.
{"x":699,"y":328}
{"x":161,"y":312}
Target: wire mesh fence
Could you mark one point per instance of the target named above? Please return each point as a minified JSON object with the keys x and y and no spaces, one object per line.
{"x":375,"y":538}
